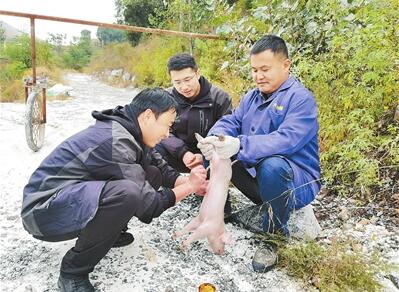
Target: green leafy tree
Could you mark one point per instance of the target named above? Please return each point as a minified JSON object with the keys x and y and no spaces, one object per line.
{"x":19,"y":50}
{"x":106,"y":36}
{"x":56,"y":40}
{"x":85,"y":36}
{"x":19,"y":56}
{"x":137,"y":13}
{"x":78,"y":55}
{"x":185,"y":15}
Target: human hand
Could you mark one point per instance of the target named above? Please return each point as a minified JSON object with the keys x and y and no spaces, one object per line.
{"x":203,"y":190}
{"x":226,"y":146}
{"x":207,"y":147}
{"x":197,"y":178}
{"x":191,"y":160}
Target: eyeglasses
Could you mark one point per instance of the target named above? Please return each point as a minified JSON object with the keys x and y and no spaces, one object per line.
{"x":187,"y":80}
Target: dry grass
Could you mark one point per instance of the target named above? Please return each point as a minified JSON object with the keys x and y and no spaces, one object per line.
{"x":13,"y":91}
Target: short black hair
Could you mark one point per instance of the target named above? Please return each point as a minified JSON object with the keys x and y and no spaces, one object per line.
{"x":156,"y":99}
{"x":181,"y":61}
{"x":270,"y":42}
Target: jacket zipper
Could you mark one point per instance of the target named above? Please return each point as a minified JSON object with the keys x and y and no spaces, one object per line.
{"x":201,"y":121}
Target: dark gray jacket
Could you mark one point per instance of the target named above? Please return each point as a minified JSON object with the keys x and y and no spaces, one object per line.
{"x":69,"y":181}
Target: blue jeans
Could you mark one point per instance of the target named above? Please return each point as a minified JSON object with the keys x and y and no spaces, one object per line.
{"x":276,"y":184}
{"x":272,"y":186}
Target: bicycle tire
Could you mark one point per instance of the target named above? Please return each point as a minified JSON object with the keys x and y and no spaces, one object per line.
{"x":34,"y":126}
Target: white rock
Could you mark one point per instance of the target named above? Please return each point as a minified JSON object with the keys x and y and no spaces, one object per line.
{"x":303,"y":224}
{"x":344,"y":214}
{"x":117,"y":72}
{"x":59,"y":89}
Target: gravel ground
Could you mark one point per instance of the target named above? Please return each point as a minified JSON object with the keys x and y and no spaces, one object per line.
{"x":154,"y":262}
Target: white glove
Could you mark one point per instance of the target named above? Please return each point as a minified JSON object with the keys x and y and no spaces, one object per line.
{"x":206,"y":146}
{"x":227,"y":147}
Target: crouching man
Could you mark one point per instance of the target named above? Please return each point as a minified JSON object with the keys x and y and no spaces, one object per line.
{"x":273,"y":136}
{"x":94,"y":182}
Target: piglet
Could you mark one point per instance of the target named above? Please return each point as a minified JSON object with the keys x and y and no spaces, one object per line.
{"x":210,"y":220}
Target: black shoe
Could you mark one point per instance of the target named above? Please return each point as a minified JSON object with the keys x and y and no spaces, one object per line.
{"x":74,"y":283}
{"x":250,"y":218}
{"x":125,"y":238}
{"x":265,"y":258}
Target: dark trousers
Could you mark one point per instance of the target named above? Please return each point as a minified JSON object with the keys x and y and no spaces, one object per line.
{"x":273,"y":186}
{"x":119,"y":202}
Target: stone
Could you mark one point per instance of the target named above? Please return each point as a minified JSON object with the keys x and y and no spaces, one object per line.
{"x":303,"y":224}
{"x":59,"y":89}
{"x":117,"y":72}
{"x":344,"y":214}
{"x":126,"y":76}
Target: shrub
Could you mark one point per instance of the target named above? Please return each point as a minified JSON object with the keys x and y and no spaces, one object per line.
{"x":346,"y":53}
{"x":333,"y":268}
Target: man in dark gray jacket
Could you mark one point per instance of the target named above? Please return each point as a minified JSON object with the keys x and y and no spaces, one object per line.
{"x":94,"y":182}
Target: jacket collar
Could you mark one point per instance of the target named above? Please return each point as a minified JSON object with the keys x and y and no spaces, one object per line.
{"x":127,"y":116}
{"x":284,"y":86}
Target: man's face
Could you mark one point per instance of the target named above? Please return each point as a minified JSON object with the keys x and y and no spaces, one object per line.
{"x":156,"y":129}
{"x":186,"y":82}
{"x":269,"y":70}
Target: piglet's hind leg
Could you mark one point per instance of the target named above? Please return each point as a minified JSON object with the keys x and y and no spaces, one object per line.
{"x":200,"y":232}
{"x":188,"y":228}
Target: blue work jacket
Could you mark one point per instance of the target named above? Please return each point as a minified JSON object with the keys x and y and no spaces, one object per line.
{"x":283,"y":124}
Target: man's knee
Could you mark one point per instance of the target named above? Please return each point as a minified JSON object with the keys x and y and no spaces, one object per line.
{"x":123,"y":194}
{"x":273,"y":167}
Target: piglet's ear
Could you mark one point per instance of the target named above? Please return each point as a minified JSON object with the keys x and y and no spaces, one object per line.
{"x":198,"y":137}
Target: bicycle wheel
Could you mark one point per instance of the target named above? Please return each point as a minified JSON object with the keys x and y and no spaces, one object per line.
{"x":34,"y":125}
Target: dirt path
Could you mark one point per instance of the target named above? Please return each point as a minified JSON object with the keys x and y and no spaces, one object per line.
{"x":153,"y":262}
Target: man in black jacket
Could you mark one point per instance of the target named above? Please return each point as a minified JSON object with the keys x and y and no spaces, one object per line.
{"x":200,"y":105}
{"x":94,"y":182}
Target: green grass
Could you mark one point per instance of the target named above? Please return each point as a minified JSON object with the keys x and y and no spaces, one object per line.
{"x":340,"y":266}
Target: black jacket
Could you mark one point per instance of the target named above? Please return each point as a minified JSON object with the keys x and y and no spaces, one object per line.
{"x":196,"y":116}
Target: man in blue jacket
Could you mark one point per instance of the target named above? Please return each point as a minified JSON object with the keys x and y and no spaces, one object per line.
{"x":94,"y":182}
{"x":273,"y":135}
